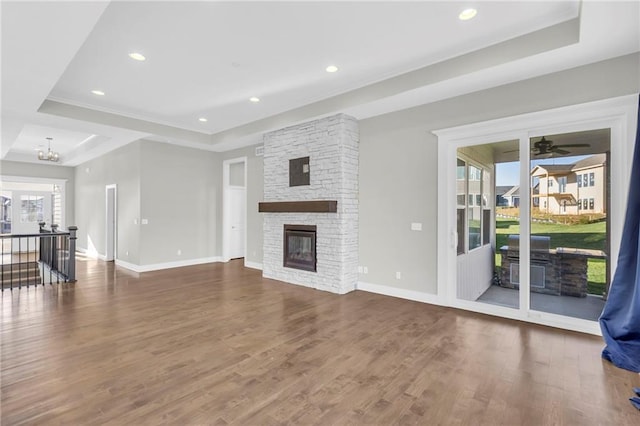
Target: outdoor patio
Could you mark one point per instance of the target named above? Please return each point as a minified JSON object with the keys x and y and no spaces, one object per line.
{"x":588,"y":308}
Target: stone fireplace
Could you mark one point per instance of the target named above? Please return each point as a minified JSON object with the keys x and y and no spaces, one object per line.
{"x":324,"y":200}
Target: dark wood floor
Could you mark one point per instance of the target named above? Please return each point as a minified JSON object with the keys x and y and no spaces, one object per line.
{"x":218,"y":344}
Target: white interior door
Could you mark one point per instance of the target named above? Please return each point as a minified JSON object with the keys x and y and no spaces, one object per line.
{"x":237,"y":201}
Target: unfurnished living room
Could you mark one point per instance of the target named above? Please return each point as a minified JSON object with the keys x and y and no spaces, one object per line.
{"x":328,"y":213}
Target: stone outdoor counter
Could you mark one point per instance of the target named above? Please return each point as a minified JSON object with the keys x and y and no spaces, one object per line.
{"x":563,"y":274}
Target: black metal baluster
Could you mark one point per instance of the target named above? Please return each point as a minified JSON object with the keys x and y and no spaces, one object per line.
{"x":50,"y":262}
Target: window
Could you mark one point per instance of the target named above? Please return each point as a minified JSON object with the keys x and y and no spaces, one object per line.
{"x":579,"y":179}
{"x":579,"y":204}
{"x":590,"y":203}
{"x":544,"y":204}
{"x":564,"y":206}
{"x":562,"y":184}
{"x":461,"y":198}
{"x":549,"y":183}
{"x":585,"y":180}
{"x":592,"y":180}
{"x":474,"y":209}
{"x":31,"y":208}
{"x":473,"y":198}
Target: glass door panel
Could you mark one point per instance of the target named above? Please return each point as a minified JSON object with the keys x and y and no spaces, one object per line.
{"x":487,"y":195}
{"x":569,"y":202}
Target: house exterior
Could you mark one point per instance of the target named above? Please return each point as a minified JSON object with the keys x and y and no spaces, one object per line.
{"x":500,"y":191}
{"x":578,"y":188}
{"x":512,"y":196}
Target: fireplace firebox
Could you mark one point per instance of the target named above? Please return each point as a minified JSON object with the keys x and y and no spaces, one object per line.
{"x":299,"y":249}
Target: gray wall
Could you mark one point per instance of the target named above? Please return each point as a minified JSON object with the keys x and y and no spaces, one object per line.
{"x":120,"y":167}
{"x":181,"y":199}
{"x":398,"y":163}
{"x":13,"y":168}
{"x":255,"y":194}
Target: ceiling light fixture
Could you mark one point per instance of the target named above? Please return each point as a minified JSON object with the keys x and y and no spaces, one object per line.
{"x":204,"y":120}
{"x":467,"y":14}
{"x":50,"y":155}
{"x":331,"y":68}
{"x":98,"y":92}
{"x":137,"y":56}
{"x":254,"y":99}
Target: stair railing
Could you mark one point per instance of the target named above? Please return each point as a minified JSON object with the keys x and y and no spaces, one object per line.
{"x":34,"y":259}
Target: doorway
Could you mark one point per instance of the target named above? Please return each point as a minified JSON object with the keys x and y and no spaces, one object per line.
{"x":234,"y":216}
{"x":111,"y":222}
{"x":537,"y":215}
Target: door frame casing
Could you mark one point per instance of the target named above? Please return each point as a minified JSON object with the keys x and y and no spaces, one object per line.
{"x":618,"y":114}
{"x":226,"y":208}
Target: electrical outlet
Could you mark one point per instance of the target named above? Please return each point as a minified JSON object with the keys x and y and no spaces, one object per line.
{"x":179,"y":252}
{"x":145,"y":221}
{"x":398,"y":275}
{"x":416,"y":226}
{"x":135,"y":221}
{"x":126,"y":253}
{"x":359,"y":269}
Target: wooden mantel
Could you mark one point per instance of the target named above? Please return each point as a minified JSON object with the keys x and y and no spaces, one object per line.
{"x":316,"y":206}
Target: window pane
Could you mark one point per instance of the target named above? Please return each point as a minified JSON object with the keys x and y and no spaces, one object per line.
{"x":474,"y":210}
{"x":486,"y":189}
{"x":460,"y":230}
{"x":486,"y":226}
{"x":31,"y":208}
{"x":461,"y":190}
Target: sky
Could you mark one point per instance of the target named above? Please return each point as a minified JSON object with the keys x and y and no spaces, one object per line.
{"x":507,"y":174}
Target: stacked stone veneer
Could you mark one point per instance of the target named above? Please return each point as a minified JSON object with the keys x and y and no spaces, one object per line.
{"x":565,"y":272}
{"x":332,"y":147}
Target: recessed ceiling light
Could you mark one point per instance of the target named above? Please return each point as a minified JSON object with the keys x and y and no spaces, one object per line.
{"x":204,"y":120}
{"x":137,"y":56}
{"x":254,"y":99}
{"x":467,"y":14}
{"x":331,"y":68}
{"x":98,"y":92}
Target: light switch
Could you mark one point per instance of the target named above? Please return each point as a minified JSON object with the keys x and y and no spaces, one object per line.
{"x":145,"y":221}
{"x":416,"y":226}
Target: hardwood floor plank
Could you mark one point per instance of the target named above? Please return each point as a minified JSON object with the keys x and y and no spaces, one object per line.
{"x":218,"y":344}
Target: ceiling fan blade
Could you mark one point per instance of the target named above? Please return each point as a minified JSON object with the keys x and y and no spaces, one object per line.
{"x":513,"y":150}
{"x":574,"y":145}
{"x":561,"y":151}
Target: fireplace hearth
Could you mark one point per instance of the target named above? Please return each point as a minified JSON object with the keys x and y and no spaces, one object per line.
{"x":299,"y":248}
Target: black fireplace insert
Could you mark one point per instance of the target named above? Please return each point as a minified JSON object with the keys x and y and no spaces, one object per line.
{"x":300,"y":247}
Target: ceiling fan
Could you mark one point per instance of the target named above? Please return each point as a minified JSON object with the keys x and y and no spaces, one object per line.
{"x":545,"y":147}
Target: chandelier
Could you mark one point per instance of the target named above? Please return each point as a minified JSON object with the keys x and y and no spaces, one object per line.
{"x":50,"y":155}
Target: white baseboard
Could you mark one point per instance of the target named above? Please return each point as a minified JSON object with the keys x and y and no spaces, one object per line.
{"x":91,"y":254}
{"x":167,"y":265}
{"x":401,"y":293}
{"x":253,"y":265}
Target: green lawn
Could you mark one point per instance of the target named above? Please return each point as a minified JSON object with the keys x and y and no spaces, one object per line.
{"x":586,"y":236}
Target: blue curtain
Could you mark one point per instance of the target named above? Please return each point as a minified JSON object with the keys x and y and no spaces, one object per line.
{"x":620,"y":319}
